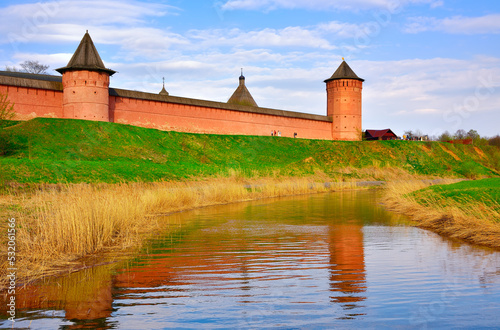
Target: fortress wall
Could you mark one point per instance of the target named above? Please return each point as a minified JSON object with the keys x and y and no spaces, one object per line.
{"x":205,"y":119}
{"x":32,"y":102}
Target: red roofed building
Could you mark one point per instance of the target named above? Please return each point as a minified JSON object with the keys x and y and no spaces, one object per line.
{"x":380,"y":134}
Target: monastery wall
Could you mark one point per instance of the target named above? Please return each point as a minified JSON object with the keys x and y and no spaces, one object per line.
{"x":85,"y":81}
{"x":199,"y":116}
{"x":33,"y":98}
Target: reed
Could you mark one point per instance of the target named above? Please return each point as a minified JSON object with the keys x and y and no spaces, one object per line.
{"x":60,"y":224}
{"x":466,"y":219}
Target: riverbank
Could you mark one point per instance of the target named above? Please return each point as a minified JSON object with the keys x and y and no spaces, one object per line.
{"x":468,"y":210}
{"x":62,"y":227}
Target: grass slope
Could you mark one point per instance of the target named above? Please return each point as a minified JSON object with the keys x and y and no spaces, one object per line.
{"x":65,"y":150}
{"x":486,"y":191}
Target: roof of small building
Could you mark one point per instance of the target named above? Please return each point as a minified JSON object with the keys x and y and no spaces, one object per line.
{"x":376,"y":133}
{"x":344,"y":71}
{"x":241,"y":95}
{"x":86,"y":57}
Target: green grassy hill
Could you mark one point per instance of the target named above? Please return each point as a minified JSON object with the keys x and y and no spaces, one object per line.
{"x":63,"y":150}
{"x":486,"y":191}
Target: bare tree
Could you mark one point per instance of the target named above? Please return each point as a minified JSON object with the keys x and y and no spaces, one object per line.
{"x":34,"y":67}
{"x":473,"y":134}
{"x":409,"y":134}
{"x":11,"y":68}
{"x":446,"y":136}
{"x":29,"y":67}
{"x":494,"y":141}
{"x":460,"y":134}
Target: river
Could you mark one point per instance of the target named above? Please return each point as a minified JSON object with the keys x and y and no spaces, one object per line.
{"x":336,"y":260}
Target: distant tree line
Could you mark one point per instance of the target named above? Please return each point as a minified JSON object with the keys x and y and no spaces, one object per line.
{"x":458,"y":135}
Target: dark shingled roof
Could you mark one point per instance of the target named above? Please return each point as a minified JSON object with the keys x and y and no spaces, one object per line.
{"x":216,"y":105}
{"x":344,"y":72}
{"x":54,"y":83}
{"x":86,"y":57}
{"x":26,"y":75}
{"x":242,"y":96}
{"x":23,"y":79}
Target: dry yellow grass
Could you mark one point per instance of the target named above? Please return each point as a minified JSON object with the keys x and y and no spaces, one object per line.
{"x":59,"y":225}
{"x":474,"y":222}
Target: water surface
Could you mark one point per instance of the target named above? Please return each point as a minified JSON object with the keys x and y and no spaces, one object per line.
{"x":335,"y":260}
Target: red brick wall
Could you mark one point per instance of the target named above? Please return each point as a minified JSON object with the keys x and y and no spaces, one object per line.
{"x":36,"y":102}
{"x":197,"y":119}
{"x":33,"y":102}
{"x":344,"y":106}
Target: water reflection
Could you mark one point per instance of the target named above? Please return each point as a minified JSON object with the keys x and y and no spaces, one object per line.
{"x":317,"y":261}
{"x":85,"y":297}
{"x":347,"y":266}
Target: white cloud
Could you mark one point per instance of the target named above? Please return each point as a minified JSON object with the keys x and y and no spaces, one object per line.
{"x":290,"y":36}
{"x":488,"y":24}
{"x":37,"y":21}
{"x":354,"y":5}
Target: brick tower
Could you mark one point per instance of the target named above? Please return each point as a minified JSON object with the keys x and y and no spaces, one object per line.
{"x":86,"y":84}
{"x":343,"y":93}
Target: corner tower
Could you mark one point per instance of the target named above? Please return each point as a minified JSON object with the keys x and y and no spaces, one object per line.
{"x":86,"y":84}
{"x":343,"y":93}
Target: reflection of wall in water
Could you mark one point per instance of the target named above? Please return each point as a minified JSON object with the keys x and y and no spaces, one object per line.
{"x":347,"y":272}
{"x":84,"y":296}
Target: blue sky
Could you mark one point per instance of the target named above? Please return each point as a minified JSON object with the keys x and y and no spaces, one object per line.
{"x":429,"y":65}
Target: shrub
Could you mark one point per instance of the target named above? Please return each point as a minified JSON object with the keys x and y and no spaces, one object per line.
{"x":6,"y":110}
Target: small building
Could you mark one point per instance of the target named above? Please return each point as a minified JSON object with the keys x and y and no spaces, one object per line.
{"x":380,"y":134}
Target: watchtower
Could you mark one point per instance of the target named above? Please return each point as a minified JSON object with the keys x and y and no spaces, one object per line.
{"x":343,"y":92}
{"x":86,"y":84}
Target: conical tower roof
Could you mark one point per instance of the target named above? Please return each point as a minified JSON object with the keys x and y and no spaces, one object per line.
{"x":86,"y":57}
{"x":241,"y":95}
{"x":344,"y":72}
{"x":163,"y":90}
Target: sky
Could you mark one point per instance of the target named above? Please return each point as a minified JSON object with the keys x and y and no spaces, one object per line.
{"x":428,"y":65}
